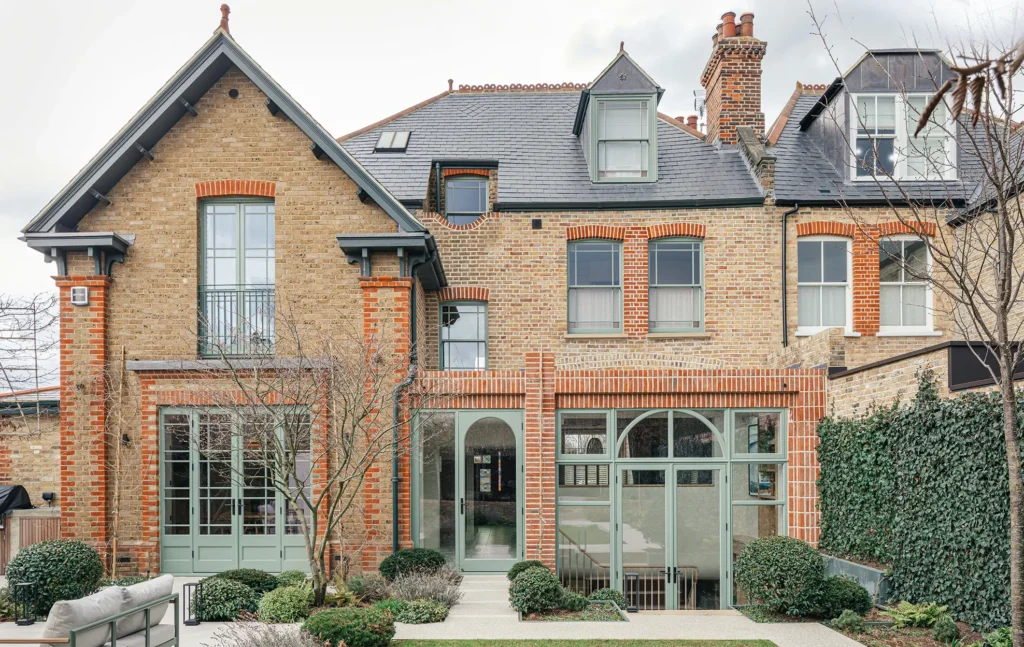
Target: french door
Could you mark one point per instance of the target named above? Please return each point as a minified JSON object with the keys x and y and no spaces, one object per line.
{"x":671,"y":527}
{"x":488,"y":488}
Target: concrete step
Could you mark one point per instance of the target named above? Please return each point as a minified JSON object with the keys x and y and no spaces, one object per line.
{"x":482,"y":609}
{"x":487,"y":595}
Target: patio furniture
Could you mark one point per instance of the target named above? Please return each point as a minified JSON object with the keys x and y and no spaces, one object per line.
{"x":114,"y":617}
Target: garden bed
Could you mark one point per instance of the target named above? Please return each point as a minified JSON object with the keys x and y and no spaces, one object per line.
{"x":877,"y":636}
{"x":598,"y":612}
{"x":760,"y":614}
{"x":587,"y":643}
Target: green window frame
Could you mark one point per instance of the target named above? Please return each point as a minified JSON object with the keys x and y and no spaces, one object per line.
{"x":675,"y":285}
{"x":464,"y":185}
{"x":594,"y":290}
{"x":471,"y":341}
{"x":608,"y":133}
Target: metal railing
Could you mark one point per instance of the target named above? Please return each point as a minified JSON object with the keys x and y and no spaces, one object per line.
{"x":579,"y":570}
{"x":236,"y":321}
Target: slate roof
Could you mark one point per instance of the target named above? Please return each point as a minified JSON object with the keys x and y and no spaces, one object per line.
{"x":803,"y":174}
{"x":540,"y":162}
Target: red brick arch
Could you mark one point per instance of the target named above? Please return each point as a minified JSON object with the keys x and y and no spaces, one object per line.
{"x":822,"y":228}
{"x":449,"y":172}
{"x":891,"y":228}
{"x":465,"y":293}
{"x":686,"y":229}
{"x":252,"y":188}
{"x":608,"y":232}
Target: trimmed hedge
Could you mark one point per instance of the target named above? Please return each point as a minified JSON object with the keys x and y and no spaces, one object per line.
{"x":922,"y":487}
{"x":840,"y":594}
{"x":224,"y":599}
{"x":535,"y":589}
{"x":610,"y":595}
{"x":254,"y":578}
{"x":59,"y":569}
{"x":784,"y":574}
{"x":357,"y":627}
{"x":286,"y":604}
{"x":519,"y":567}
{"x":411,"y":560}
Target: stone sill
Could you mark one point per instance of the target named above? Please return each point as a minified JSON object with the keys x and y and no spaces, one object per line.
{"x":615,"y":335}
{"x":679,"y":335}
{"x":910,"y":333}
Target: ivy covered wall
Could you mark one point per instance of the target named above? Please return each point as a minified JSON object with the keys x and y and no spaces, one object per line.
{"x":922,"y":488}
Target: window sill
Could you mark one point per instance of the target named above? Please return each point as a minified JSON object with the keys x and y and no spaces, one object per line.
{"x":909,"y":333}
{"x":810,"y":332}
{"x":679,"y":335}
{"x":595,"y":335}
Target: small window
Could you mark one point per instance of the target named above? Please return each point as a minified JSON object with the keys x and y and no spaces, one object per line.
{"x":463,"y":336}
{"x":903,"y":274}
{"x":623,"y":140}
{"x":876,"y":135}
{"x":465,"y":199}
{"x":583,"y":434}
{"x":930,"y":154}
{"x":392,"y":142}
{"x":676,"y":298}
{"x":595,"y":287}
{"x":883,"y":126}
{"x":823,"y":284}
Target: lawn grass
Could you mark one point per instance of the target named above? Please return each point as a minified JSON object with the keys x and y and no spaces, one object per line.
{"x":584,"y":643}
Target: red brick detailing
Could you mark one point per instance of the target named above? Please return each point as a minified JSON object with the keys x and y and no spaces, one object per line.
{"x":608,"y":232}
{"x":449,"y":172}
{"x":687,"y":229}
{"x":83,"y":444}
{"x":254,"y":188}
{"x":821,"y":228}
{"x":441,"y":220}
{"x":567,"y":86}
{"x":866,"y":313}
{"x":465,"y":293}
{"x":634,"y":282}
{"x":893,"y":228}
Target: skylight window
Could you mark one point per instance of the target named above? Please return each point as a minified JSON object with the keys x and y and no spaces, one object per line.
{"x":391,"y":141}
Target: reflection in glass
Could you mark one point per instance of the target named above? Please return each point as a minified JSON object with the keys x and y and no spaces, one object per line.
{"x":648,"y":438}
{"x":490,"y":494}
{"x":757,"y":432}
{"x":691,"y":438}
{"x":584,"y":547}
{"x":644,"y":536}
{"x":756,"y":481}
{"x":584,"y":433}
{"x":582,"y":483}
{"x":698,"y":539}
{"x":750,"y":522}
{"x":437,"y":483}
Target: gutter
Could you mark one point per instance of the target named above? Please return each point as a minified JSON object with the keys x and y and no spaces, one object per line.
{"x":785,"y":318}
{"x":606,"y":205}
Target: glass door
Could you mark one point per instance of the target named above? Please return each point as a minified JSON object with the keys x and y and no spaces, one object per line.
{"x":490,"y":527}
{"x":699,"y":566}
{"x":258,"y":540}
{"x":216,"y":499}
{"x":645,"y":537}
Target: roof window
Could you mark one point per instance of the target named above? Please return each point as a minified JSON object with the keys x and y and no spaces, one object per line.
{"x":391,"y":141}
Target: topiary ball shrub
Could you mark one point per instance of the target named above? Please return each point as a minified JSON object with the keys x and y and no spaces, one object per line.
{"x":945,"y":630}
{"x":573,"y":601}
{"x":59,"y":569}
{"x":355,"y":627}
{"x":535,"y":589}
{"x":784,"y":574}
{"x":291,"y":578}
{"x":850,"y":622}
{"x":606,"y":595}
{"x":411,"y":560}
{"x":255,"y":579}
{"x":224,"y":599}
{"x":421,"y":612}
{"x":519,"y":567}
{"x":392,"y":606}
{"x":368,"y":587}
{"x":286,"y":604}
{"x":840,"y":593}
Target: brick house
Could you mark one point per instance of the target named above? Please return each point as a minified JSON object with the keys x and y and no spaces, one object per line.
{"x":643,"y":317}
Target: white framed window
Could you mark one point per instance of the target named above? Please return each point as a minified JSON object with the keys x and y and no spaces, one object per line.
{"x":624,"y":140}
{"x":465,"y":199}
{"x":824,"y":297}
{"x":905,"y":297}
{"x":595,"y":286}
{"x":882,"y":128}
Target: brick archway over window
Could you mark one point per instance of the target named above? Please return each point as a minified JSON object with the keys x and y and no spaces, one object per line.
{"x":595,"y":231}
{"x":819,"y":228}
{"x":250,"y":188}
{"x":449,"y":172}
{"x":466,"y":293}
{"x":684,"y":229}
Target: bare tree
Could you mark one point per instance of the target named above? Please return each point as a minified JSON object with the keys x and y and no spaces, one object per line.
{"x":123,"y":455}
{"x":314,"y":422}
{"x":975,"y":253}
{"x":29,"y":340}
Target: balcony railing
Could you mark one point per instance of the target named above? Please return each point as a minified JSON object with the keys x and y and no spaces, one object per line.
{"x":236,"y":320}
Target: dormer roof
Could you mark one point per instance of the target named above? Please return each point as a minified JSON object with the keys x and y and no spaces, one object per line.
{"x":621,"y":76}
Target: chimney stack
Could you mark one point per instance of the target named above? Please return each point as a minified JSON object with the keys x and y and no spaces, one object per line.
{"x":732,"y":79}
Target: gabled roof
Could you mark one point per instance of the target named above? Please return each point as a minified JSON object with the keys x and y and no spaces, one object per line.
{"x":621,"y":76}
{"x":179,"y":96}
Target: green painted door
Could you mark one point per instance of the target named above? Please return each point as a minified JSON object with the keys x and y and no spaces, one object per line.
{"x":489,"y":471}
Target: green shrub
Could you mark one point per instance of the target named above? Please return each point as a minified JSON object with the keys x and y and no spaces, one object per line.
{"x":368,"y":587}
{"x":286,"y":604}
{"x":7,"y":610}
{"x":355,"y":626}
{"x":907,"y":614}
{"x":127,"y":580}
{"x":224,"y":599}
{"x":255,"y":579}
{"x":1000,"y":638}
{"x":291,"y":578}
{"x":411,"y":560}
{"x":59,"y":569}
{"x":850,"y":622}
{"x":604,"y":595}
{"x":535,"y":589}
{"x":573,"y":601}
{"x":945,"y":630}
{"x":840,"y":593}
{"x":782,"y":573}
{"x":519,"y":567}
{"x":421,"y":612}
{"x":393,"y":606}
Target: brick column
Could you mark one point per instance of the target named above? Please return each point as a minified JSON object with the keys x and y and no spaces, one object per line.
{"x":83,"y":442}
{"x":539,"y":442}
{"x":866,"y":311}
{"x":634,"y":282}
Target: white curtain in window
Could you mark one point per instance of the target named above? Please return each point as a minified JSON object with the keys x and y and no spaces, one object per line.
{"x":593,"y":308}
{"x":675,"y":308}
{"x":833,"y":306}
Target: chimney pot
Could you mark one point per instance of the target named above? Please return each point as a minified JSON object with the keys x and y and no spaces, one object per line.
{"x":691,"y":121}
{"x":718,"y":29}
{"x":728,"y":24}
{"x":714,"y":39}
{"x":747,"y":24}
{"x":450,"y":83}
{"x":224,"y":11}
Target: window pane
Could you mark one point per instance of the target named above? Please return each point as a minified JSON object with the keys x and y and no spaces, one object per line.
{"x":889,"y":268}
{"x":623,"y":120}
{"x":675,"y":264}
{"x":579,"y":483}
{"x":647,"y":439}
{"x":385,"y":140}
{"x":833,"y":306}
{"x":225,"y":229}
{"x":584,"y":433}
{"x":886,"y":120}
{"x":584,"y":546}
{"x":865,"y":114}
{"x":621,"y":159}
{"x":595,"y":264}
{"x":594,"y":309}
{"x":401,"y":139}
{"x":885,"y":161}
{"x":674,"y":308}
{"x":463,"y":321}
{"x":914,"y":305}
{"x":917,"y":260}
{"x":691,"y":438}
{"x":808,"y":306}
{"x":835,"y":261}
{"x":756,"y":481}
{"x":808,"y":262}
{"x":865,"y":153}
{"x":466,"y":196}
{"x":757,"y":433}
{"x":889,"y":305}
{"x":437,"y":483}
{"x":465,"y":355}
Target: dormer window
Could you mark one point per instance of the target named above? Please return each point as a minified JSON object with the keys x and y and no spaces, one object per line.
{"x":882,"y":128}
{"x":465,"y":199}
{"x":623,"y":138}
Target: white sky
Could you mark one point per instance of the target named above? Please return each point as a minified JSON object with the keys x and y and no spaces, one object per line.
{"x":75,"y":72}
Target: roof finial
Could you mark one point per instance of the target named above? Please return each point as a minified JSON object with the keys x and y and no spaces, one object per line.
{"x":224,"y":11}
{"x":622,"y":46}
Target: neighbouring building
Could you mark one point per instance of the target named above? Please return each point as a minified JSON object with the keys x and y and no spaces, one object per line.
{"x":30,"y":441}
{"x":643,"y":317}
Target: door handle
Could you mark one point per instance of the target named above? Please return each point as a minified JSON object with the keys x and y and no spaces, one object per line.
{"x":675,"y":574}
{"x":462,"y":505}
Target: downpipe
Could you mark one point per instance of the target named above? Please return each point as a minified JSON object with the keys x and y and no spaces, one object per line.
{"x":785,"y":299}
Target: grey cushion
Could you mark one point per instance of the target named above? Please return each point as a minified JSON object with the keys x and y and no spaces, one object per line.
{"x":158,"y":635}
{"x":139,"y":595}
{"x":70,"y":614}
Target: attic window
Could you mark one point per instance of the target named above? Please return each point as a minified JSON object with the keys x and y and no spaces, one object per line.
{"x":391,"y":141}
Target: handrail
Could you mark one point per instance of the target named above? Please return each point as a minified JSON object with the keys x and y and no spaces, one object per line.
{"x":582,"y":549}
